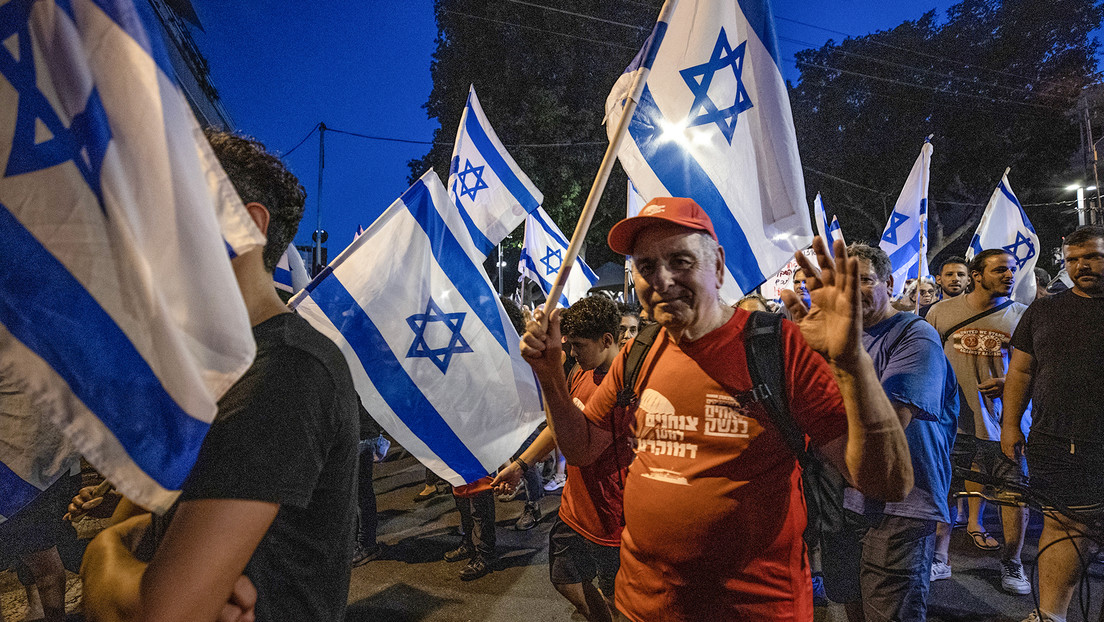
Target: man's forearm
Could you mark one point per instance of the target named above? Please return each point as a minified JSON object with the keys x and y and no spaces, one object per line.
{"x":877,"y":452}
{"x":580,"y":442}
{"x":112,"y":579}
{"x":1017,"y":387}
{"x":539,"y":448}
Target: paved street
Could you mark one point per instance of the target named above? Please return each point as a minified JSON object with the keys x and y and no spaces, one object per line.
{"x":411,"y":582}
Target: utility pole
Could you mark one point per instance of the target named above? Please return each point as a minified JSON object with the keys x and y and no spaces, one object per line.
{"x":319,"y":234}
{"x":1094,"y":215}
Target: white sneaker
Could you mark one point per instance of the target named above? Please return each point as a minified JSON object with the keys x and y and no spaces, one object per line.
{"x":1012,"y":578}
{"x":940,"y":570}
{"x":556,"y":483}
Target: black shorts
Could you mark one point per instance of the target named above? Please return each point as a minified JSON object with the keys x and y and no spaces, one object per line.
{"x":987,"y":455}
{"x":39,"y":526}
{"x":572,"y":558}
{"x":1069,"y":473}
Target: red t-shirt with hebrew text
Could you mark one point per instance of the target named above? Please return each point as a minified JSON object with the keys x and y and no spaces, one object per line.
{"x":591,"y":500}
{"x":713,"y":507}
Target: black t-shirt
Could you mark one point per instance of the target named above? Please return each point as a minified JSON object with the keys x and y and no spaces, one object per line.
{"x":1065,"y":335}
{"x":287,"y":433}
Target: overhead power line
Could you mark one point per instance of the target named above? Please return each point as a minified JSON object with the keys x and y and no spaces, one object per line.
{"x":551,"y":32}
{"x":946,"y":76}
{"x":931,"y":88}
{"x":911,"y":51}
{"x":448,"y":144}
{"x":573,"y":13}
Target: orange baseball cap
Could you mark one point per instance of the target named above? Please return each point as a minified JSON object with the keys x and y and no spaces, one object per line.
{"x":677,"y":210}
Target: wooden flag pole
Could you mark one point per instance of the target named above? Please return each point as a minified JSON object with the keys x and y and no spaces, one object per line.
{"x":604,"y":170}
{"x":923,"y":237}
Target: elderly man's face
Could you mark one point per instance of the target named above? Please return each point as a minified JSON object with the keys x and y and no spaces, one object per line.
{"x":875,"y":292}
{"x":675,"y":275}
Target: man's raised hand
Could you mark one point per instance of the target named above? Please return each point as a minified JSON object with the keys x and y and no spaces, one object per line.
{"x":833,"y":326}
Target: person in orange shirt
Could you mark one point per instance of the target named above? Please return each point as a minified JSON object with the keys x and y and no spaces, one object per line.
{"x":584,"y":542}
{"x":712,"y":503}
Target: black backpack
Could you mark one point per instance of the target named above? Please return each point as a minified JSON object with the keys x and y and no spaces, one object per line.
{"x":822,"y":484}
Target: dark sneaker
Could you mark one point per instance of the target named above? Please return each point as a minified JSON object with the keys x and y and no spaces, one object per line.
{"x":364,"y":554}
{"x":530,"y":516}
{"x":478,"y":567}
{"x":464,"y":551}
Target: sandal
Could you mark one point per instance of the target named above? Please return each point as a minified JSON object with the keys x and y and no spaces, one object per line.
{"x":984,"y":541}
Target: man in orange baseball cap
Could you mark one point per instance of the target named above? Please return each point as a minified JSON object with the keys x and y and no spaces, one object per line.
{"x":712,"y":502}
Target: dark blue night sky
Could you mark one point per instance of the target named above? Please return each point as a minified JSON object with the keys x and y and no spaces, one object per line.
{"x":364,"y":67}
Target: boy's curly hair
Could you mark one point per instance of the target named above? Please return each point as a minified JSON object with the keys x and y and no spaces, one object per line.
{"x":590,"y":318}
{"x":260,"y":177}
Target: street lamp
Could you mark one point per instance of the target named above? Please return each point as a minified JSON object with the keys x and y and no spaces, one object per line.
{"x":1081,"y":209}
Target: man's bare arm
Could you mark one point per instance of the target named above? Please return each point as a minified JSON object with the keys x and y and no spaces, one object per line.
{"x":195,"y":573}
{"x":509,"y":476}
{"x":580,"y":441}
{"x":1017,"y":393}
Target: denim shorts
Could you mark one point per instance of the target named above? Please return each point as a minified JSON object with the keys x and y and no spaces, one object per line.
{"x":1070,"y":473}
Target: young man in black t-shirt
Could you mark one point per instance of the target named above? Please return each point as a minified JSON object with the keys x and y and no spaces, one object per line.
{"x":1059,"y":352}
{"x":264,"y":525}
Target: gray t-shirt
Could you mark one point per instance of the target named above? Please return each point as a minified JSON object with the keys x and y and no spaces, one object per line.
{"x":977,"y":352}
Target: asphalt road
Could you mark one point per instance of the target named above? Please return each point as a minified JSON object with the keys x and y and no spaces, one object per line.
{"x":410,"y":581}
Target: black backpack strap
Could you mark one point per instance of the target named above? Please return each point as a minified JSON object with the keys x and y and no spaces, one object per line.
{"x":971,"y":320}
{"x":763,"y":346}
{"x":638,"y":349}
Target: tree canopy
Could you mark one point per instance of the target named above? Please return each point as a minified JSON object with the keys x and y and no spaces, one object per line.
{"x":542,"y":74}
{"x":997,"y":83}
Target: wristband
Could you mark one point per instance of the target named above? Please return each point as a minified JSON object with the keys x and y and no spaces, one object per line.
{"x":521,"y":465}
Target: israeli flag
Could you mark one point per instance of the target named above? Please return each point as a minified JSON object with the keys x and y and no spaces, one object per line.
{"x":291,"y":273}
{"x":111,"y":204}
{"x":905,"y":238}
{"x":542,"y":255}
{"x":634,"y":202}
{"x":433,"y":354}
{"x":487,"y":186}
{"x":1005,"y":225}
{"x":829,"y":230}
{"x":714,"y":124}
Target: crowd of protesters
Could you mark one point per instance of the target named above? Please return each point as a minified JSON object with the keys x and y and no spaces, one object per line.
{"x":686,"y":439}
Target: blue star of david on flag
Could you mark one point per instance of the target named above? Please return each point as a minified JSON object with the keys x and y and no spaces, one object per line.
{"x":41,"y":140}
{"x":896,"y":219}
{"x":462,"y":178}
{"x":1014,"y":249}
{"x":700,"y":77}
{"x":420,"y":348}
{"x":549,"y":257}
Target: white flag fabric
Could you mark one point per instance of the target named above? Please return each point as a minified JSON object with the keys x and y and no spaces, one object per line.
{"x":111,"y":203}
{"x":433,"y":355}
{"x":542,"y":255}
{"x":487,"y":186}
{"x":291,"y":273}
{"x":634,"y":202}
{"x":1005,"y":225}
{"x":905,"y":238}
{"x":829,"y":230}
{"x":714,"y":124}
